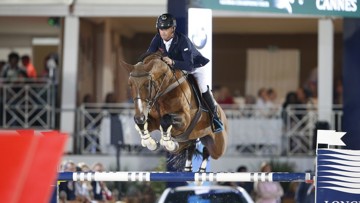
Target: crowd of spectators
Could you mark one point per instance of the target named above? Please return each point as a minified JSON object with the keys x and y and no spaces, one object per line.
{"x":99,"y":191}
{"x":21,"y":67}
{"x":275,"y":192}
{"x":267,"y":103}
{"x":19,"y":70}
{"x":83,"y":191}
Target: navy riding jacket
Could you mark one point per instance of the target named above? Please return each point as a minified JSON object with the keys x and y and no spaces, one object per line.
{"x":181,"y":51}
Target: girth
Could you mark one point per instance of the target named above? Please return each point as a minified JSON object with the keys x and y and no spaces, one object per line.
{"x":183,"y":137}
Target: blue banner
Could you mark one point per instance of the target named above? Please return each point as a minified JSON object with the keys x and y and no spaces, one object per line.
{"x":338,"y":176}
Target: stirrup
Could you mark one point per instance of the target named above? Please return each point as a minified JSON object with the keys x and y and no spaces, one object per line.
{"x":217,"y":126}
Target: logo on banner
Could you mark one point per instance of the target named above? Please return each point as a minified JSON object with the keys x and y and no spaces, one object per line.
{"x":338,"y":174}
{"x":199,"y":38}
{"x":337,"y":5}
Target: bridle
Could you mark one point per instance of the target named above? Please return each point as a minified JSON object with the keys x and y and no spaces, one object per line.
{"x":152,"y":99}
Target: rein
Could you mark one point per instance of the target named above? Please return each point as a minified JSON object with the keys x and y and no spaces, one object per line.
{"x":170,"y":87}
{"x":158,"y":94}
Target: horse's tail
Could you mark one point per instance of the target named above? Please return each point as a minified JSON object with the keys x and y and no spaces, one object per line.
{"x":176,"y":162}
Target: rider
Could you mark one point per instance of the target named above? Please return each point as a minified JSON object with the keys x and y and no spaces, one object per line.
{"x":180,"y":53}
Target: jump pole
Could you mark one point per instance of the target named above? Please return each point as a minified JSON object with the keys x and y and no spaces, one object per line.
{"x":185,"y":176}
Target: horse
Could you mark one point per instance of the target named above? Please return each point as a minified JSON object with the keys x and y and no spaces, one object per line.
{"x":165,"y":100}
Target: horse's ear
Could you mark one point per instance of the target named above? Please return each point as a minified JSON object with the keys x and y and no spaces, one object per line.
{"x":127,"y":66}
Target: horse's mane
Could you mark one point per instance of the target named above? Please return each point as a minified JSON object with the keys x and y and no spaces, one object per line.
{"x":150,"y":55}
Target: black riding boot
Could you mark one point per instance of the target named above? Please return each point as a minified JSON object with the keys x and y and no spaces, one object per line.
{"x":217,"y":125}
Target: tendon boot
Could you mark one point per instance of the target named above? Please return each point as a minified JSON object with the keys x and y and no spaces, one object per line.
{"x":217,"y":125}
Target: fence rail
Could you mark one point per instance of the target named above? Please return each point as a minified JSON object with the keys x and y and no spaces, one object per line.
{"x":185,"y":176}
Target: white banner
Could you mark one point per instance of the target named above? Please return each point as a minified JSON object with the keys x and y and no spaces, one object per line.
{"x":200,"y":33}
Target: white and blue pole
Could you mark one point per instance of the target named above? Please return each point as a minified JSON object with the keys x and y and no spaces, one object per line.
{"x":185,"y":176}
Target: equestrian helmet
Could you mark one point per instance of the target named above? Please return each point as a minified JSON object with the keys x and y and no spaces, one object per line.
{"x":165,"y":21}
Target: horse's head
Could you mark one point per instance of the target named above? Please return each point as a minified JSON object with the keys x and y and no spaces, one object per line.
{"x":145,"y":81}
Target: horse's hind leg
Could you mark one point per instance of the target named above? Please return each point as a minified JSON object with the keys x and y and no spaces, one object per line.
{"x":189,"y":155}
{"x":205,"y":160}
{"x":215,"y":144}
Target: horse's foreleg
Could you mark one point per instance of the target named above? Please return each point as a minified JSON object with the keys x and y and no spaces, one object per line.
{"x":146,"y":139}
{"x":166,"y":140}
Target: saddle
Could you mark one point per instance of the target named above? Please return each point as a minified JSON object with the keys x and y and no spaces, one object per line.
{"x":195,"y":87}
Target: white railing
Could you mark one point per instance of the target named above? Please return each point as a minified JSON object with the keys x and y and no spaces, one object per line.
{"x":281,"y":132}
{"x":27,"y":103}
{"x":31,"y":104}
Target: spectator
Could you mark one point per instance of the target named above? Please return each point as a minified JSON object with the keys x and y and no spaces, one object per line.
{"x":250,"y":99}
{"x":51,"y":72}
{"x":50,"y":68}
{"x":100,"y":190}
{"x":310,"y":86}
{"x":306,"y":99}
{"x":239,"y":99}
{"x":250,"y":106}
{"x":272,"y":96}
{"x":116,"y":129}
{"x":67,"y":189}
{"x":291,"y":98}
{"x":30,"y":69}
{"x":272,"y":102}
{"x":262,"y":103}
{"x":224,"y":96}
{"x":2,"y":64}
{"x":301,"y":95}
{"x":268,"y":192}
{"x":305,"y":192}
{"x":301,"y":192}
{"x":248,"y":186}
{"x":84,"y":188}
{"x":12,"y":71}
{"x":262,"y":98}
{"x":306,"y":103}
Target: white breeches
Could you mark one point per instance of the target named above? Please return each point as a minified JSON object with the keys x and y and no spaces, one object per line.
{"x":203,"y":78}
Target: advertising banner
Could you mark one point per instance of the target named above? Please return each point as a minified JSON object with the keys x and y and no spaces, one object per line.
{"x":343,"y":8}
{"x":338,"y":177}
{"x":200,"y":33}
{"x":338,"y":174}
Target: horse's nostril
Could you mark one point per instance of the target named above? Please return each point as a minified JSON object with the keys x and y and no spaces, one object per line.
{"x":139,"y":119}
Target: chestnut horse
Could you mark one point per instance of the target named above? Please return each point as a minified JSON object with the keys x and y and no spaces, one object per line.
{"x":165,"y":100}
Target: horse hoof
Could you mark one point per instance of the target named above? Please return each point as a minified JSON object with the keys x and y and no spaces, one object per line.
{"x":202,"y":170}
{"x":188,"y":169}
{"x":152,"y":145}
{"x":172,"y":146}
